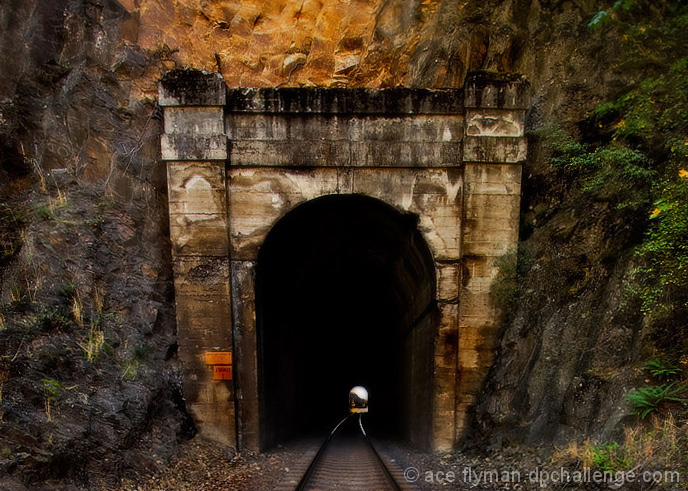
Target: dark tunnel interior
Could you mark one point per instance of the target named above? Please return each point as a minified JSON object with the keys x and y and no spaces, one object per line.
{"x":345,"y":288}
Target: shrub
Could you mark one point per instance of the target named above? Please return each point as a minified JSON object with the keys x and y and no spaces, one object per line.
{"x":511,"y":269}
{"x":647,"y":400}
{"x":661,"y":369}
{"x":609,"y":457}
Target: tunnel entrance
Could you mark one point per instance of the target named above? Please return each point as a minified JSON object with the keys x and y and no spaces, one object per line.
{"x":345,"y":288}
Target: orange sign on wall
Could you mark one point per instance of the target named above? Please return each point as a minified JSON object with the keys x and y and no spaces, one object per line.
{"x":218,"y":358}
{"x":222,"y":372}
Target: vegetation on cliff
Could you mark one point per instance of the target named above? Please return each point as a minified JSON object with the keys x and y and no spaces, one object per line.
{"x":650,"y":119}
{"x":604,"y":257}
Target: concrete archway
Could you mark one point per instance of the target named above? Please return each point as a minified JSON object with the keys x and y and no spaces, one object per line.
{"x":345,"y":295}
{"x":240,"y":160}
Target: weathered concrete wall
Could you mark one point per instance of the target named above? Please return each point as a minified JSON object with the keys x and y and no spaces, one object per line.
{"x":493,"y":148}
{"x":195,"y":148}
{"x":288,"y":146}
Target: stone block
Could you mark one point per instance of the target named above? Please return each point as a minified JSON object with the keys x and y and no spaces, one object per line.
{"x":448,"y":279}
{"x":246,"y":346}
{"x":288,"y":153}
{"x":192,"y":88}
{"x":193,"y":147}
{"x":492,"y":178}
{"x":199,"y":234}
{"x":448,"y":316}
{"x":202,"y":276}
{"x":196,"y":188}
{"x":287,"y":127}
{"x":416,"y":128}
{"x":484,"y":206}
{"x":471,"y":381}
{"x":433,"y":194}
{"x":405,"y":154}
{"x":444,"y":409}
{"x":490,"y":226}
{"x":495,"y":122}
{"x":478,"y":267}
{"x":258,"y":198}
{"x":482,"y":340}
{"x":486,"y":90}
{"x":482,"y":241}
{"x":487,"y":247}
{"x":464,"y":419}
{"x":469,"y":357}
{"x":345,"y":180}
{"x":476,"y":309}
{"x":194,"y":121}
{"x":314,"y":100}
{"x":213,"y":200}
{"x":446,"y":348}
{"x":213,"y":410}
{"x":494,"y":149}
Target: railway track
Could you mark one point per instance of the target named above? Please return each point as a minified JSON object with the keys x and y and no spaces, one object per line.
{"x":348,"y":461}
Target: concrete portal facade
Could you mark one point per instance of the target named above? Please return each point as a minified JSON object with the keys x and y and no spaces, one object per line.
{"x":238,"y":160}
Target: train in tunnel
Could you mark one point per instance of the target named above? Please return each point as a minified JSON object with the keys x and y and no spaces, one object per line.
{"x":358,"y":400}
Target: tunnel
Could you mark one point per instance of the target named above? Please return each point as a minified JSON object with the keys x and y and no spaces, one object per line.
{"x":345,"y":288}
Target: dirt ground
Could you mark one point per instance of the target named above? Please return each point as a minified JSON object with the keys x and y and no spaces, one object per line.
{"x":207,"y":466}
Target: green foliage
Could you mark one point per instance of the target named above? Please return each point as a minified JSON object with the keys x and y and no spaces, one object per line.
{"x":43,"y":211}
{"x":131,"y":370}
{"x":52,"y":388}
{"x":624,"y":4}
{"x":647,"y":400}
{"x":601,"y":18}
{"x":511,"y":269}
{"x":661,"y":369}
{"x":95,"y":224}
{"x":49,"y":319}
{"x":141,"y":351}
{"x":643,"y":167}
{"x":12,"y":221}
{"x":614,"y":172}
{"x":663,"y":278}
{"x":66,"y":290}
{"x":609,"y":457}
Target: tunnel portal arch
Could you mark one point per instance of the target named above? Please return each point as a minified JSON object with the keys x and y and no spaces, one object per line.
{"x":240,"y":160}
{"x":345,"y":296}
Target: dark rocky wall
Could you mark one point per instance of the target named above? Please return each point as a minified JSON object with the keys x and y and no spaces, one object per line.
{"x":90,"y":385}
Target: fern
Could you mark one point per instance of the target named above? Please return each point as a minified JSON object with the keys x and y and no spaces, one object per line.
{"x":651,"y":399}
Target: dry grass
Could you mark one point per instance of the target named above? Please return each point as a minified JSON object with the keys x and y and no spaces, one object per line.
{"x":662,"y":443}
{"x":98,"y":300}
{"x":15,"y":294}
{"x":48,"y":410}
{"x":575,"y":451}
{"x":78,"y":309}
{"x":93,"y":344}
{"x":659,"y":443}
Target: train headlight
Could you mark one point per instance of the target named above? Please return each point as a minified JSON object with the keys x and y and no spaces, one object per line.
{"x":358,"y":400}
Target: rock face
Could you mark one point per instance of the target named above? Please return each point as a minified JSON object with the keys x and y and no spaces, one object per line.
{"x":87,"y":331}
{"x":363,"y":43}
